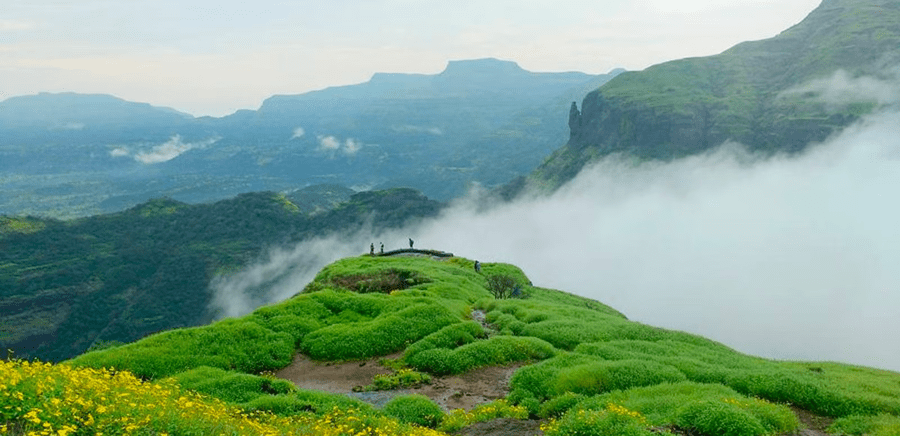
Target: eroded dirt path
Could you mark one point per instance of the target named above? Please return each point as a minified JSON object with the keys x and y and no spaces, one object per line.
{"x":463,"y":391}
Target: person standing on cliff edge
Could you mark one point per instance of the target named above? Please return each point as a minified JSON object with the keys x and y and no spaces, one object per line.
{"x":410,"y":242}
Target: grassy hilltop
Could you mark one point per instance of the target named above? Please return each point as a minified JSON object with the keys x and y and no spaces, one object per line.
{"x":587,"y":368}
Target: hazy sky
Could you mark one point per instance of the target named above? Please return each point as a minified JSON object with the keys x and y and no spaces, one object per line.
{"x":212,"y":57}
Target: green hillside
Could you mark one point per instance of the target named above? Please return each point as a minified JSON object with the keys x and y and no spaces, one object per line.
{"x":66,"y":286}
{"x":688,"y":106}
{"x":587,"y":368}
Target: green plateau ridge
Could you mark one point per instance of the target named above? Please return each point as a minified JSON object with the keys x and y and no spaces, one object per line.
{"x":689,"y":106}
{"x":66,"y":286}
{"x":581,"y":360}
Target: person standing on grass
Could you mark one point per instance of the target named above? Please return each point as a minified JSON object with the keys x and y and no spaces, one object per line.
{"x":382,"y":247}
{"x":477,"y":266}
{"x":372,"y":249}
{"x":410,"y":242}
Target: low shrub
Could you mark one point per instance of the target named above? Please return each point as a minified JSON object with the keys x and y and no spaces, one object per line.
{"x":456,"y":419}
{"x":451,"y":336}
{"x":604,"y":376}
{"x":872,"y":425}
{"x":231,"y":344}
{"x":404,"y":378}
{"x":383,"y":335}
{"x":719,"y":418}
{"x":231,"y":386}
{"x":315,"y":402}
{"x":498,"y":350}
{"x":537,"y":380}
{"x":415,"y":409}
{"x":613,"y":421}
{"x":503,"y":286}
{"x":556,"y":406}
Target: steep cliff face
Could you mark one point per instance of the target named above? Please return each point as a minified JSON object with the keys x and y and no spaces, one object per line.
{"x":687,"y":106}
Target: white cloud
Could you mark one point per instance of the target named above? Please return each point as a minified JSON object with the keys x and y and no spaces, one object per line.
{"x":298,"y":132}
{"x":842,"y":89}
{"x":15,"y":25}
{"x":351,"y":146}
{"x":119,"y":152}
{"x":169,"y":150}
{"x":789,"y":258}
{"x":329,"y":143}
{"x":408,"y":128}
{"x":72,"y":126}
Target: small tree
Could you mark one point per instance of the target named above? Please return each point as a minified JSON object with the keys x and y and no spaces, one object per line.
{"x":504,"y":286}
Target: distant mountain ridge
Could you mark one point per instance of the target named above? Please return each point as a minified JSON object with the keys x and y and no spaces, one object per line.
{"x":79,"y":111}
{"x":478,"y":122}
{"x":688,"y":106}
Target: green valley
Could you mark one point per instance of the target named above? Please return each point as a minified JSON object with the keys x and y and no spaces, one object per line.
{"x":66,"y":286}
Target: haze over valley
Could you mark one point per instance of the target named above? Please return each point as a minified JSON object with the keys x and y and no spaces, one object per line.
{"x":745,"y":194}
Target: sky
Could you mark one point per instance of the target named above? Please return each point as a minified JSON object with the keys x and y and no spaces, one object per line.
{"x":213,"y":57}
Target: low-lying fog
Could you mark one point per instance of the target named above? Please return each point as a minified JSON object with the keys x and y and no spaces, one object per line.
{"x":788,"y":258}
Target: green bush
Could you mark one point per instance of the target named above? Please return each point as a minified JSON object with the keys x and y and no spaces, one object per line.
{"x":404,"y":378}
{"x":231,"y":386}
{"x":614,"y":422}
{"x":315,"y":402}
{"x":451,"y":336}
{"x":559,"y":405}
{"x":503,"y":286}
{"x":604,"y":376}
{"x":498,"y":350}
{"x":457,"y":419}
{"x":415,"y":409}
{"x":858,"y":425}
{"x":718,"y":418}
{"x":231,"y":344}
{"x":383,"y":335}
{"x":537,"y":380}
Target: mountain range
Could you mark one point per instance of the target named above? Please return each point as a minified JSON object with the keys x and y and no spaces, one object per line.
{"x":72,"y":284}
{"x":479,"y":122}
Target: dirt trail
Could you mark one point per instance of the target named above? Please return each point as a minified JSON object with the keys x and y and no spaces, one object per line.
{"x":464,"y":391}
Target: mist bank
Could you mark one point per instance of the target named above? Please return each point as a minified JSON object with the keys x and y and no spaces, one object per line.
{"x":782,"y":257}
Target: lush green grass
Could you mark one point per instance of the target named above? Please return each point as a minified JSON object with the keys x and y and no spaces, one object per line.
{"x":498,"y":350}
{"x":415,"y":409}
{"x":587,"y":366}
{"x":859,"y":425}
{"x":236,"y":344}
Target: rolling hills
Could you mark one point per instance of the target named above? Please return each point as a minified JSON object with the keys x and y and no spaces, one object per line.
{"x":68,"y":285}
{"x":585,"y":367}
{"x":478,"y":122}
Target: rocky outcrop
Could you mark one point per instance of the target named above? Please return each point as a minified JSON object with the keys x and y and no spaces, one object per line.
{"x":688,"y":106}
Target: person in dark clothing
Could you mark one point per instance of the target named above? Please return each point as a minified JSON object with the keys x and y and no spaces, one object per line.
{"x":410,"y":242}
{"x":372,"y":249}
{"x":382,"y":247}
{"x":477,"y":266}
